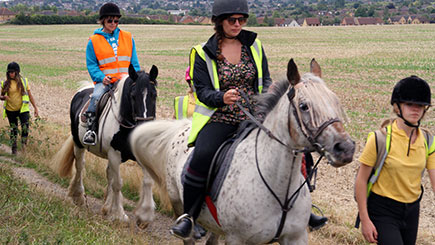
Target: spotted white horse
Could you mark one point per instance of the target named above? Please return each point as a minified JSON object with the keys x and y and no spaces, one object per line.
{"x":263,"y":198}
{"x":132,"y":102}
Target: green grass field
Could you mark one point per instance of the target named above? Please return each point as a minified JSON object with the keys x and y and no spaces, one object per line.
{"x":361,"y":64}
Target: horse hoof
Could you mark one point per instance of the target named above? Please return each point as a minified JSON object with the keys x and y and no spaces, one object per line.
{"x":141,"y":224}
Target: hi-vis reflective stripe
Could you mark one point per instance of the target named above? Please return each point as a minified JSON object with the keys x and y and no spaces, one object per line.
{"x":257,"y":54}
{"x":181,"y":105}
{"x":24,"y":98}
{"x":203,"y":110}
{"x":375,"y":176}
{"x":106,"y":61}
{"x":112,"y":71}
{"x":432,"y":147}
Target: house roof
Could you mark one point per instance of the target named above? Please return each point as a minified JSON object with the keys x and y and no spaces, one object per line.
{"x":5,"y":11}
{"x":312,"y":21}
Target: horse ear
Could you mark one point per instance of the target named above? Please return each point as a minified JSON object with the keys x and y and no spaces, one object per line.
{"x":132,"y":72}
{"x":315,"y":68}
{"x":153,"y":73}
{"x":293,"y":73}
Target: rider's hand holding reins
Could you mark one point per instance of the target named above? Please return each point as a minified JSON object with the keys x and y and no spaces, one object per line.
{"x":106,"y":80}
{"x":231,"y":96}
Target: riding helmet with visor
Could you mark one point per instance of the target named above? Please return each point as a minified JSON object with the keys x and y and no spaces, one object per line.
{"x":13,"y":66}
{"x":109,"y":9}
{"x":412,"y":90}
{"x":229,"y":7}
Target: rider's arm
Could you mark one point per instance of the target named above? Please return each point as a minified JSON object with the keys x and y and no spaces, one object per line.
{"x":92,"y":64}
{"x":202,"y":82}
{"x":134,"y":60}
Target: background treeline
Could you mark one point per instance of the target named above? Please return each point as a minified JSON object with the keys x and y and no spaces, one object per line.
{"x":37,"y":19}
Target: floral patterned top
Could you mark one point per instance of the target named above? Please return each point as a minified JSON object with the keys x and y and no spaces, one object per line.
{"x":231,"y":76}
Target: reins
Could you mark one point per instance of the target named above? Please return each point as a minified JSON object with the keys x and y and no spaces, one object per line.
{"x":288,"y":203}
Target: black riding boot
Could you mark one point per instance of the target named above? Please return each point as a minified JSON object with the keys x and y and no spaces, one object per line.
{"x":193,"y":198}
{"x":316,"y":222}
{"x":90,"y":137}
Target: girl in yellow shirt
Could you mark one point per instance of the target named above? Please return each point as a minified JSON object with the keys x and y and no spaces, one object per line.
{"x":390,"y":214}
{"x":16,"y":93}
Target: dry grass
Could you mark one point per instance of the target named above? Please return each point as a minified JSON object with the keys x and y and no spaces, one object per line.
{"x":360,"y":64}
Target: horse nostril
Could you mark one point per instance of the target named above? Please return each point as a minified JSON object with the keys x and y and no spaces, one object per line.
{"x":338,"y":147}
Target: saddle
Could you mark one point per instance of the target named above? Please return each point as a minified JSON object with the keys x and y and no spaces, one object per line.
{"x":222,"y":160}
{"x":101,"y":103}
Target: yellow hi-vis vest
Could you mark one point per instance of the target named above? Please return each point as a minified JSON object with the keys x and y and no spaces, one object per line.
{"x":383,"y":145}
{"x":203,"y":113}
{"x":181,"y":104}
{"x":24,"y":98}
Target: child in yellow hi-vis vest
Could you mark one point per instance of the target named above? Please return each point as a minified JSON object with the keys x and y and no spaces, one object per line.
{"x":184,"y":106}
{"x":15,"y":91}
{"x":389,"y":211}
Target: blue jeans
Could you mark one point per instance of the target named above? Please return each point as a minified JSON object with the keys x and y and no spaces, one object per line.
{"x":99,"y":90}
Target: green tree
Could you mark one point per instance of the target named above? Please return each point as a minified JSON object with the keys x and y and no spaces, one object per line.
{"x":361,"y":11}
{"x":252,"y":20}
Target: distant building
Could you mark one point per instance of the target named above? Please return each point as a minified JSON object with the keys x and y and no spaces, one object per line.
{"x":348,"y":21}
{"x":368,"y":21}
{"x":6,"y":15}
{"x":177,"y":12}
{"x":397,"y":20}
{"x":312,"y":21}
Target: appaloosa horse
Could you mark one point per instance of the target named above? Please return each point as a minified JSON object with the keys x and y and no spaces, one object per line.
{"x":132,"y":102}
{"x":264,"y":197}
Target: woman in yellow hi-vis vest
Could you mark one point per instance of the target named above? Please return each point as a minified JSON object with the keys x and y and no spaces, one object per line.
{"x":390,"y":213}
{"x":232,"y":61}
{"x":108,"y":54}
{"x":15,"y":91}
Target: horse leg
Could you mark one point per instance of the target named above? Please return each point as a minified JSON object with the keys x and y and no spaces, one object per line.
{"x":76,"y":189}
{"x":213,"y":239}
{"x":301,"y":239}
{"x":144,"y":212}
{"x":116,"y":210}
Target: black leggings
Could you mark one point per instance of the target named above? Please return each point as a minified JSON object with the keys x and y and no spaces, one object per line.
{"x":209,"y":139}
{"x":13,"y":122}
{"x":395,"y":222}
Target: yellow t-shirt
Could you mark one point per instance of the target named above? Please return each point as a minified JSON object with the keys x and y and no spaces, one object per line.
{"x":400,"y":177}
{"x":15,"y":97}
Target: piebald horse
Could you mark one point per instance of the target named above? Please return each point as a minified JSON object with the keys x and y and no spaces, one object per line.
{"x":264,"y":197}
{"x":132,"y":102}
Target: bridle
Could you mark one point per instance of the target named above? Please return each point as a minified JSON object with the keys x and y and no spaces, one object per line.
{"x":311,"y":137}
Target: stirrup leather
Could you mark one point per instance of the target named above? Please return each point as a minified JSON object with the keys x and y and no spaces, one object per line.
{"x":87,"y":137}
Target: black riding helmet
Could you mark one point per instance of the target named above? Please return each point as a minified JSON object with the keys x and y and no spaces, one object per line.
{"x":229,"y":7}
{"x":13,"y":66}
{"x":411,"y":90}
{"x":109,"y":9}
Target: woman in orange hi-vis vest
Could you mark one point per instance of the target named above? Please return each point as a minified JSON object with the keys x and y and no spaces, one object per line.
{"x":108,"y":54}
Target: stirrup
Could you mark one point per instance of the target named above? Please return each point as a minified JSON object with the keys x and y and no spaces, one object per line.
{"x":89,"y":134}
{"x":179,"y":219}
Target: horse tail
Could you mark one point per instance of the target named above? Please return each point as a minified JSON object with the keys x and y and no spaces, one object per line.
{"x":150,"y":144}
{"x":64,"y":158}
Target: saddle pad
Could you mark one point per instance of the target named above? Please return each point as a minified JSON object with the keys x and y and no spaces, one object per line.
{"x":222,"y":160}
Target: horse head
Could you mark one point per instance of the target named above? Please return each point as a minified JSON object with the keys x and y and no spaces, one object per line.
{"x":139,"y":96}
{"x":318,"y":115}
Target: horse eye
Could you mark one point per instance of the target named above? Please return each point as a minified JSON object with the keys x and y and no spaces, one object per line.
{"x":303,"y":107}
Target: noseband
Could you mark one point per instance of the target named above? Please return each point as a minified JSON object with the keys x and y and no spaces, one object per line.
{"x":311,"y":136}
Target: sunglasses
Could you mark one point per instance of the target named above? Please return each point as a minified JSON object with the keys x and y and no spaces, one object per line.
{"x":241,"y":20}
{"x":112,"y":20}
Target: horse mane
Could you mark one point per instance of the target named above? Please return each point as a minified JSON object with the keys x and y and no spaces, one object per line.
{"x":267,"y":101}
{"x":311,"y":87}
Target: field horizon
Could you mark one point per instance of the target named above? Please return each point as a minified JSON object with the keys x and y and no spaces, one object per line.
{"x":360,"y":64}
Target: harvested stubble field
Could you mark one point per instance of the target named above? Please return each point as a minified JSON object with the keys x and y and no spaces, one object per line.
{"x":360,"y":64}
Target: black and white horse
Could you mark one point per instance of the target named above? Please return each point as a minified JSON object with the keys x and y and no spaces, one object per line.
{"x":132,"y":101}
